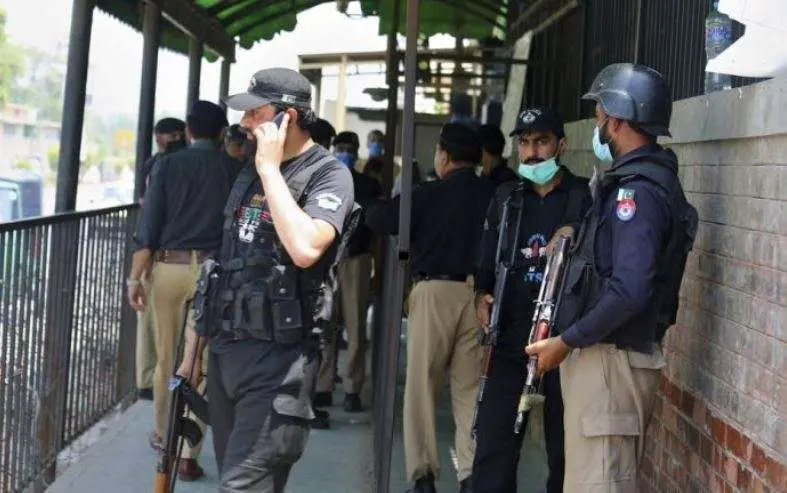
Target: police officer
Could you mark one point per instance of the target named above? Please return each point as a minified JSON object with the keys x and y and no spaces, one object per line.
{"x":493,"y":165}
{"x":549,"y":197}
{"x":170,"y":136}
{"x":621,"y":285}
{"x":235,"y":143}
{"x":354,"y":279}
{"x":282,"y":222}
{"x":179,"y":228}
{"x":447,"y":224}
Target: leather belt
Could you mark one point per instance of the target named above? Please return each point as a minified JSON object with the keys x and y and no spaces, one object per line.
{"x":422,"y":276}
{"x":180,"y":256}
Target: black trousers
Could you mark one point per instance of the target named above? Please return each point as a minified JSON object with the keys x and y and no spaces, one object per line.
{"x":260,"y":411}
{"x":497,"y":448}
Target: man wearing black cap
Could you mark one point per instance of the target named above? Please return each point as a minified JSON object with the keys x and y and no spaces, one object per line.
{"x":547,"y":197}
{"x":261,"y":311}
{"x":180,"y":226}
{"x":622,"y":283}
{"x":170,"y":134}
{"x":447,"y":224}
{"x":354,"y":280}
{"x":235,"y":143}
{"x":493,"y":165}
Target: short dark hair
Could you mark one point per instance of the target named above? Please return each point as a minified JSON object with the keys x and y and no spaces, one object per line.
{"x":492,"y":139}
{"x":347,"y":137}
{"x":461,"y":142}
{"x":322,"y":132}
{"x":201,"y":129}
{"x":306,"y":117}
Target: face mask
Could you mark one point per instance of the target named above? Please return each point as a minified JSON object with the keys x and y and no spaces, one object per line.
{"x":602,"y":151}
{"x":375,"y":149}
{"x":347,"y":158}
{"x":539,"y":173}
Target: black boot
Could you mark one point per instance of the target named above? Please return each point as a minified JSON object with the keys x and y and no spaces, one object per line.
{"x":424,"y":484}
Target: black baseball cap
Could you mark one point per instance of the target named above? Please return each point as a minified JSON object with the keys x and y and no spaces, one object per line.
{"x":273,"y":86}
{"x":539,"y":119}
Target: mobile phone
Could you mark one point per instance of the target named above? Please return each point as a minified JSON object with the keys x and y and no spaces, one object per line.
{"x":279,"y":118}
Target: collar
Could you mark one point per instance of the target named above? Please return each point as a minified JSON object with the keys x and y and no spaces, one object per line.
{"x":461,"y":171}
{"x":635,"y":154}
{"x":203,"y":144}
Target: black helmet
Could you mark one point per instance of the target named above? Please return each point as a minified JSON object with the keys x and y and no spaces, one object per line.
{"x":634,"y":93}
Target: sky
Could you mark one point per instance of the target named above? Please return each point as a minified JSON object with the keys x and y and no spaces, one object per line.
{"x":116,"y":55}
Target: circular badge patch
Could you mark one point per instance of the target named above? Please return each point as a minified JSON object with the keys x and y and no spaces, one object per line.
{"x":626,"y":209}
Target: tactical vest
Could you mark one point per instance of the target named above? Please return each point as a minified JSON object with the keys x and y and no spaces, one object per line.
{"x":583,"y":283}
{"x":262,"y":294}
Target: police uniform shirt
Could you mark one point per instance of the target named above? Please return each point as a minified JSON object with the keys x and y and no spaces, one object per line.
{"x":542,"y":217}
{"x":366,"y":189}
{"x":632,"y":232}
{"x":185,"y":199}
{"x":328,"y":196}
{"x":447,"y":222}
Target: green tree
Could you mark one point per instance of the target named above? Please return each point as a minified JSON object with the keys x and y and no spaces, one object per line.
{"x":11,"y":62}
{"x":52,"y":157}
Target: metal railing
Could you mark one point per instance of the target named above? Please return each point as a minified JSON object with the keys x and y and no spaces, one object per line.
{"x":66,"y":335}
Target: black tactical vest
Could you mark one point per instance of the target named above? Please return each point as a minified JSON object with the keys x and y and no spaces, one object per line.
{"x":583,"y":284}
{"x":261,"y":294}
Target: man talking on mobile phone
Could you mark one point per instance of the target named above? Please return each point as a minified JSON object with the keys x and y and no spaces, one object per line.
{"x":258,"y":310}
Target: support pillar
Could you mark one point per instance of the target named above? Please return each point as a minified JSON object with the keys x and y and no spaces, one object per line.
{"x":341,"y":97}
{"x":73,"y":105}
{"x":195,"y":65}
{"x":224,"y":82}
{"x":391,"y":116}
{"x":151,"y":37}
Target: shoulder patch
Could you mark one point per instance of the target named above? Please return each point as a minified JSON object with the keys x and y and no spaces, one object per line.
{"x":625,"y":193}
{"x":329,"y":201}
{"x":626,"y":209}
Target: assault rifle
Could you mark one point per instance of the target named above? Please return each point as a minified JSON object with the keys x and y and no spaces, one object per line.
{"x":489,"y":338}
{"x":180,"y":427}
{"x":543,"y":318}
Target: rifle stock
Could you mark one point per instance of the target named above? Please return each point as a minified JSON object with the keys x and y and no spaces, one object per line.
{"x":543,"y":318}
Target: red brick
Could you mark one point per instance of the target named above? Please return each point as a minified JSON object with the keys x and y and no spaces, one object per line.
{"x":675,"y":395}
{"x":728,"y":488}
{"x":687,"y":403}
{"x":700,"y":414}
{"x":671,"y":418}
{"x":706,"y":449}
{"x":757,"y":486}
{"x":731,"y":467}
{"x":693,"y":438}
{"x":718,"y":460}
{"x":758,"y":460}
{"x":734,"y":442}
{"x":718,"y":429}
{"x":744,"y":478}
{"x":663,"y":385}
{"x":776,"y":475}
{"x":647,"y":468}
{"x":716,"y":485}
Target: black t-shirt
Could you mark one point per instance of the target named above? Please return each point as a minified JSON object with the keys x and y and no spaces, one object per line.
{"x":367,"y":189}
{"x":328,"y":196}
{"x":542,"y":217}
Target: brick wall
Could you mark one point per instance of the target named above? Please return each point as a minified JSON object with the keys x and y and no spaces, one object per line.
{"x":721,"y":416}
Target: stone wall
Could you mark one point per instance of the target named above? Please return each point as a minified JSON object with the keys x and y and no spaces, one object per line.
{"x":721,"y":417}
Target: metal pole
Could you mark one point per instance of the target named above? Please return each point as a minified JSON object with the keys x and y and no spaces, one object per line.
{"x":341,"y":97}
{"x":195,"y":64}
{"x":151,"y":36}
{"x":224,"y":82}
{"x":392,"y":63}
{"x":392,"y":327}
{"x":73,"y":105}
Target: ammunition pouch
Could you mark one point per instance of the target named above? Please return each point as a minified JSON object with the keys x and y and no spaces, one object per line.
{"x":267,"y":308}
{"x":204,"y":298}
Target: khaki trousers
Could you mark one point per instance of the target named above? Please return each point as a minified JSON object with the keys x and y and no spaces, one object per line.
{"x":608,"y":395}
{"x":354,"y":283}
{"x":146,"y":343}
{"x":172,"y":286}
{"x":441,"y":339}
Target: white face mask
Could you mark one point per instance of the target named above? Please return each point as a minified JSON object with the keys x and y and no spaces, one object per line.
{"x":602,"y":151}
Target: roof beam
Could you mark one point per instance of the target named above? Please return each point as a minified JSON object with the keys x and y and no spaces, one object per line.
{"x":540,"y":15}
{"x":194,"y":21}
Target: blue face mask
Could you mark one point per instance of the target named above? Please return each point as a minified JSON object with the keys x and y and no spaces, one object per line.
{"x":375,"y":149}
{"x":347,"y":158}
{"x":539,"y":173}
{"x":602,"y":151}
